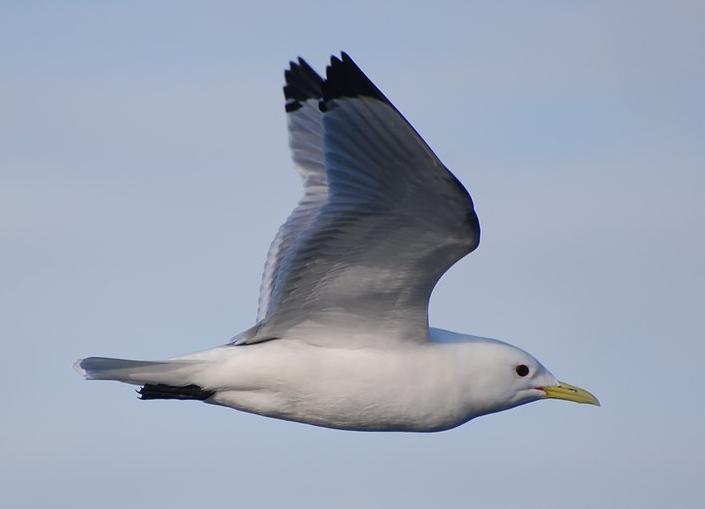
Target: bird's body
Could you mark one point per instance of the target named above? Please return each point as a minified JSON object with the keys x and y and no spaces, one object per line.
{"x":437,"y":385}
{"x":342,"y":337}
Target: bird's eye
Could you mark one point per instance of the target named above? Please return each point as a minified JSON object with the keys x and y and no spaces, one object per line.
{"x":522,"y":370}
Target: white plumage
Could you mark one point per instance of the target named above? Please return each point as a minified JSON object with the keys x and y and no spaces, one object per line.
{"x":342,"y":337}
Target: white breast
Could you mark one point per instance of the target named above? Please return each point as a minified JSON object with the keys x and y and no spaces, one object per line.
{"x":416,"y":388}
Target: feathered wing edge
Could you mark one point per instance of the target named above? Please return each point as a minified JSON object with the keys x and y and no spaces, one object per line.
{"x":304,"y":89}
{"x":302,"y":92}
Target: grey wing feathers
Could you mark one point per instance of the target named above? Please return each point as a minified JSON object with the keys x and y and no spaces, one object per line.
{"x":388,"y":220}
{"x":302,"y":93}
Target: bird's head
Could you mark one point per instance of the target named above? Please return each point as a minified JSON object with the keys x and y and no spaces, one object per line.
{"x":506,"y":376}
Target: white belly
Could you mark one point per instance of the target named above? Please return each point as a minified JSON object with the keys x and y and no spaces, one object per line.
{"x":402,"y":389}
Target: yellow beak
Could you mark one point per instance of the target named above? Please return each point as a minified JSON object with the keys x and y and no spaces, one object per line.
{"x":570,"y":393}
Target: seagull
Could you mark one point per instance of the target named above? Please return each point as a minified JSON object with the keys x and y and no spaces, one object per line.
{"x":342,"y":338}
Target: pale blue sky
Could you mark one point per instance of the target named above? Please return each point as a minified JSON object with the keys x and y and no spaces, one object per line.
{"x":144,"y":171}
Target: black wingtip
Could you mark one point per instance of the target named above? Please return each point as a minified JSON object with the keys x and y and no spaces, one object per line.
{"x":302,"y":84}
{"x":344,"y":78}
{"x":163,"y":391}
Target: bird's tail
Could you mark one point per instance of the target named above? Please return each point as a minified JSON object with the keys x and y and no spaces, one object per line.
{"x":160,"y":379}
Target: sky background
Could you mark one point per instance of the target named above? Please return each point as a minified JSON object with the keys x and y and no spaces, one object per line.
{"x":144,"y":171}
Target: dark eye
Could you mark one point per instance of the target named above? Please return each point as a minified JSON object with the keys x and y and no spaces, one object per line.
{"x":522,"y":370}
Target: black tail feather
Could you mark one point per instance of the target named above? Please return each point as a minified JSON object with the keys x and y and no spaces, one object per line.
{"x":162,"y":391}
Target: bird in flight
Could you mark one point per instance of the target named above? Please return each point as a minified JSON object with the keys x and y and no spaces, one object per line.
{"x":342,"y":338}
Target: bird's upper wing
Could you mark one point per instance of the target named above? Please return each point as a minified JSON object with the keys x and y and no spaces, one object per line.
{"x":303,"y":93}
{"x":358,"y":262}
